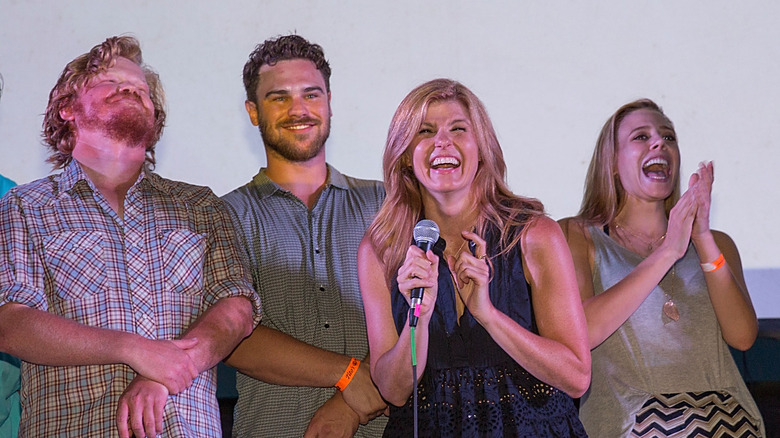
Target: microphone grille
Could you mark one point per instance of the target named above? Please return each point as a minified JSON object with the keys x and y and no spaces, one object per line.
{"x":426,"y":231}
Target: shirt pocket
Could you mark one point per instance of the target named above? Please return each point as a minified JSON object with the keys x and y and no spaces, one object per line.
{"x":182,"y":256}
{"x":76,"y":264}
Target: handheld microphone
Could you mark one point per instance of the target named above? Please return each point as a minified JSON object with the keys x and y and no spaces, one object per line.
{"x":426,"y":233}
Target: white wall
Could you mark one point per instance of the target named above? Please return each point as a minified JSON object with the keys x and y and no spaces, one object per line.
{"x":550,"y":73}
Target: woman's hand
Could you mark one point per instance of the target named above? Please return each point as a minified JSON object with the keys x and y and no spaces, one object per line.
{"x":678,"y":230}
{"x":701,"y":186}
{"x":420,"y":269}
{"x":472,"y":275}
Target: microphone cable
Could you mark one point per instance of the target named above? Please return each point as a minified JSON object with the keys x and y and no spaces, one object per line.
{"x":414,"y":381}
{"x":425,"y":233}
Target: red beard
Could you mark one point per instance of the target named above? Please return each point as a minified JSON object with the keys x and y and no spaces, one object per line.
{"x":121,"y":120}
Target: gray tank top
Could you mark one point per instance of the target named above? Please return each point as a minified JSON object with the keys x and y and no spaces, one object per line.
{"x":652,"y":354}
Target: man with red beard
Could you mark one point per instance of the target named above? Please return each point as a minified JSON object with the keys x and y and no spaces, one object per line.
{"x":119,"y":289}
{"x":300,"y":222}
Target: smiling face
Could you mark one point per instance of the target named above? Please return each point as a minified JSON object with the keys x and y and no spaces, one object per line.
{"x":292,"y":110}
{"x":648,"y":158}
{"x":115,"y":102}
{"x":445,"y":154}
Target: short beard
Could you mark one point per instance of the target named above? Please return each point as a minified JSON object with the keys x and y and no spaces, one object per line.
{"x":288,"y":150}
{"x":129,"y":125}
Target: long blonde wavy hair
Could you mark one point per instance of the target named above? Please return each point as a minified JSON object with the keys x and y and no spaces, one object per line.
{"x":391,"y":232}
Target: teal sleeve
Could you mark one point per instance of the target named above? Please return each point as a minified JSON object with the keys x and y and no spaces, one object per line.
{"x":10,"y":409}
{"x":5,"y":184}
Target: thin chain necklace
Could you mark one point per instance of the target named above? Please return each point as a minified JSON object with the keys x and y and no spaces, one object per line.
{"x":457,"y":251}
{"x":669,"y":308}
{"x":650,"y":245}
{"x":459,"y":305}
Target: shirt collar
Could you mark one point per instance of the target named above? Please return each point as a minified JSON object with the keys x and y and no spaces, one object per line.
{"x":74,"y":173}
{"x":336,"y":179}
{"x":266,"y":187}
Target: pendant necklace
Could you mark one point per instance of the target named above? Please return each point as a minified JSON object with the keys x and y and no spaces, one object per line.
{"x":669,"y":308}
{"x":650,"y":245}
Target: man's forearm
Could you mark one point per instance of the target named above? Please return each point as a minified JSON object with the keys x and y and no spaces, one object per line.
{"x":275,"y":357}
{"x":219,"y":330}
{"x":47,"y":339}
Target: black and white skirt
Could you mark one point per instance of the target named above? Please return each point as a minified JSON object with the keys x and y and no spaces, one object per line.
{"x":694,"y":414}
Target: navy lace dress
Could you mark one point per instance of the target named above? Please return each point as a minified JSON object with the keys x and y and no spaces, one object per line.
{"x":470,"y":386}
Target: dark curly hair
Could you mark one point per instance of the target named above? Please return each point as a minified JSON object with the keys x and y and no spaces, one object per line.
{"x":58,"y":133}
{"x":281,"y":49}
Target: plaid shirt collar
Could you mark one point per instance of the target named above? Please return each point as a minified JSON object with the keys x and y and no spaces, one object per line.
{"x":74,"y":174}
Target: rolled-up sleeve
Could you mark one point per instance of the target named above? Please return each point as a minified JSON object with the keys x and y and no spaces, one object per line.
{"x":21,"y":266}
{"x":226,"y":270}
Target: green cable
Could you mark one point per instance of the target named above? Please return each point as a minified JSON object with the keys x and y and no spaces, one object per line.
{"x":414,"y":350}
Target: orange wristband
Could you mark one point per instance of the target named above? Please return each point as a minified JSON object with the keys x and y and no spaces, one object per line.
{"x":349,"y":373}
{"x":714,"y":266}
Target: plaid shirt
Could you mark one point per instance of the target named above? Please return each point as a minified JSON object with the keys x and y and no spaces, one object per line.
{"x":65,"y":251}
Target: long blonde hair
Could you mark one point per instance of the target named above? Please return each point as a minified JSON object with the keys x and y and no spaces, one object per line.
{"x":391,"y":232}
{"x":604,"y":196}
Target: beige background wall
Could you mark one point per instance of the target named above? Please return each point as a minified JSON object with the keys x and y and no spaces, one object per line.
{"x":549,"y":73}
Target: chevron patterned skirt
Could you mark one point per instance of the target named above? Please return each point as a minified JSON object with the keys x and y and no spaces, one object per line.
{"x":694,"y":414}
